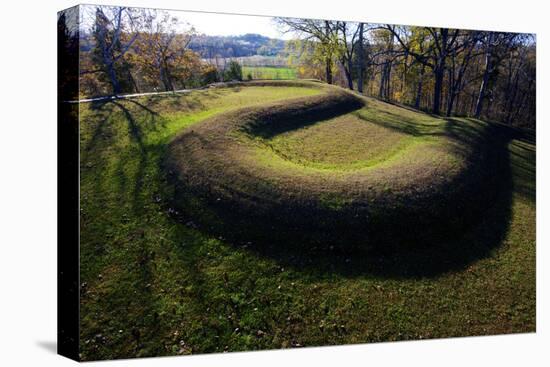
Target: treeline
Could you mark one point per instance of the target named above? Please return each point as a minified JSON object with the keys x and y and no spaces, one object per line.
{"x":250,"y":44}
{"x":131,"y":50}
{"x":488,"y":75}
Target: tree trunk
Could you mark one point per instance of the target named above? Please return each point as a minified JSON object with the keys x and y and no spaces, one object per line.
{"x":133,"y":81}
{"x":328,"y":57}
{"x":451,"y":92}
{"x":383,"y":76}
{"x":168,"y":76}
{"x":484,"y":81}
{"x":328,"y":70}
{"x":349,"y":74}
{"x":512,"y":90}
{"x":439,"y":73}
{"x":439,"y":70}
{"x":163,"y":79}
{"x":404,"y":78}
{"x":165,"y":76}
{"x":450,"y":104}
{"x":388,"y":81}
{"x":473,"y":100}
{"x":112,"y":77}
{"x":419,"y":88}
{"x":361,"y":61}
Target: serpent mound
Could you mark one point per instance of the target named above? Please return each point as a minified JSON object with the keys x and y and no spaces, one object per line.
{"x":331,"y":168}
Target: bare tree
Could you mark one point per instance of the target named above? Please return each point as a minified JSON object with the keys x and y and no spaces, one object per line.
{"x":458,"y":65}
{"x":444,"y":42}
{"x":361,"y":58}
{"x":116,"y":30}
{"x":495,"y":45}
{"x":347,"y":48}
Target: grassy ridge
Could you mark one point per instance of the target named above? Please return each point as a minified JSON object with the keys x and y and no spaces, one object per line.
{"x":153,"y":286}
{"x":268,"y":72}
{"x":342,"y":180}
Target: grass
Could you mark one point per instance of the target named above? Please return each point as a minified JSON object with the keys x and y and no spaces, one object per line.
{"x":342,"y":143}
{"x":264,"y":173}
{"x":269,"y":72}
{"x":152,"y":285}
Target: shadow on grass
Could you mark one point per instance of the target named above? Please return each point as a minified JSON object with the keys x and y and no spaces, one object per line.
{"x":128,"y":299}
{"x":402,"y":259}
{"x":393,"y":256}
{"x":281,"y":120}
{"x":509,"y":171}
{"x":478,"y":224}
{"x":136,"y":135}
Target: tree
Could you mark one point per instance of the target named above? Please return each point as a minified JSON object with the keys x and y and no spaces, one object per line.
{"x":347,"y":48}
{"x":233,"y":71}
{"x":162,"y":50}
{"x":361,"y":57}
{"x":443,"y":43}
{"x":115,"y":31}
{"x":495,"y":45}
{"x":458,"y":67}
{"x":520,"y":76}
{"x":455,"y":72}
{"x":384,"y":58}
{"x":323,"y":34}
{"x":307,"y":58}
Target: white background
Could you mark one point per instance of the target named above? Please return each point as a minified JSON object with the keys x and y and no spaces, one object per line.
{"x":28,"y":182}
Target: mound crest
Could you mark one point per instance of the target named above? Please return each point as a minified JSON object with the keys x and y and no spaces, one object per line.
{"x":246,"y":174}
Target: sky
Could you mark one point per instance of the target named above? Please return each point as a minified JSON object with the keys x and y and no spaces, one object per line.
{"x":213,"y":24}
{"x":216,"y":24}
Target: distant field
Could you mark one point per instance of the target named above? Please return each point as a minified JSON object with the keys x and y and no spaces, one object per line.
{"x":255,"y":60}
{"x":268,"y":72}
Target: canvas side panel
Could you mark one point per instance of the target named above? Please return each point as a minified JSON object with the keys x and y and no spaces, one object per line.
{"x":68,"y":183}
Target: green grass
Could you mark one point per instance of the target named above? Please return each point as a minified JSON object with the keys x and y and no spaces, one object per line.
{"x":268,"y":72}
{"x":263,"y":174}
{"x":341,"y":143}
{"x":154,"y":286}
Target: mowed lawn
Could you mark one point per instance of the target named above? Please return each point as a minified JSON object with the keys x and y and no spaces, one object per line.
{"x":154,"y":286}
{"x":268,"y":72}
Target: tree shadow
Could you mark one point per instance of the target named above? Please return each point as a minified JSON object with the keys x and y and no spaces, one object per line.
{"x":101,"y":125}
{"x":153,"y":114}
{"x":483,"y":229}
{"x":398,"y":258}
{"x":136,"y":135}
{"x":130,"y":302}
{"x":278,"y":119}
